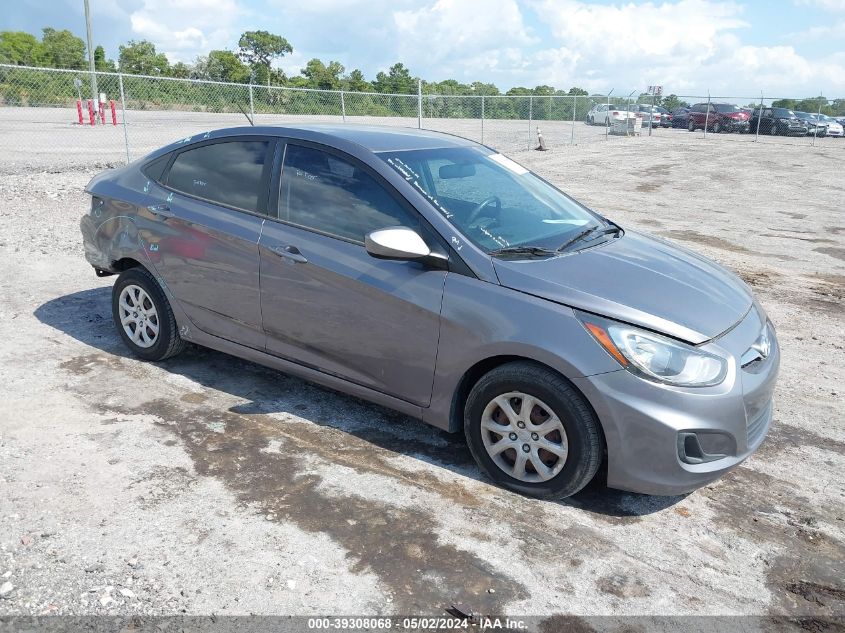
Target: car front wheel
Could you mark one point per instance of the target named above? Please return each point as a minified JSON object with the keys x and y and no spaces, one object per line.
{"x":532,"y":432}
{"x":773,"y":128}
{"x":691,"y":126}
{"x":143,"y":316}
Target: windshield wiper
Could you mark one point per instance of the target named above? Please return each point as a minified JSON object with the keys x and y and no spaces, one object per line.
{"x":532,"y":251}
{"x":596,"y":230}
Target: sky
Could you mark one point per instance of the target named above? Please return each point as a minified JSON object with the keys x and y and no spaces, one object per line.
{"x":782,"y":48}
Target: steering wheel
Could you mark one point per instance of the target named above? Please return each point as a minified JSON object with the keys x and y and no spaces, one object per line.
{"x":476,"y":212}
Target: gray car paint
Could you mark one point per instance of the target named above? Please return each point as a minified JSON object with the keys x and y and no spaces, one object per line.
{"x":491,"y":310}
{"x":640,"y":280}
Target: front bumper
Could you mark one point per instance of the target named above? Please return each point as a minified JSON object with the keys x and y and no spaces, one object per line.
{"x":642,"y":420}
{"x":737,"y":126}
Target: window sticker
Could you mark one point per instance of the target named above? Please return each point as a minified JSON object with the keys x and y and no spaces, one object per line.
{"x":508,"y":164}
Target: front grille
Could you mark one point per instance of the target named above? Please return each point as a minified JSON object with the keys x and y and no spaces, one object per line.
{"x":757,"y":426}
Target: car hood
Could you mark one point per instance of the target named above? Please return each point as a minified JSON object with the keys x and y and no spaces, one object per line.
{"x":641,"y":280}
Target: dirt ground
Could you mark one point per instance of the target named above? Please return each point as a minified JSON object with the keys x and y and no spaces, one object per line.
{"x":206,"y":484}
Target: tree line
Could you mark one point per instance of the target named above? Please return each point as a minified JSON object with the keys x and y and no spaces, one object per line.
{"x":252,"y":63}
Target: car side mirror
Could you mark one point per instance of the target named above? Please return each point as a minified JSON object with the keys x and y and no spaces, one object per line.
{"x":396,"y":242}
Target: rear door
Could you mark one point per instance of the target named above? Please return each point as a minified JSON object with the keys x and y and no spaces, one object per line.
{"x":328,"y":304}
{"x":207,"y":249}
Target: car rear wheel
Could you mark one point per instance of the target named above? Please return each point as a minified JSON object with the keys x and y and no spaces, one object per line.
{"x":691,"y":126}
{"x":143,"y":316}
{"x":532,"y":432}
{"x":773,"y":128}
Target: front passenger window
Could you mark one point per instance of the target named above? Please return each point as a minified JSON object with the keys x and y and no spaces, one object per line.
{"x":328,"y":194}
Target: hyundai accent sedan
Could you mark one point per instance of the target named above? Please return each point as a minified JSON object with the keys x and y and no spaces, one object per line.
{"x":432,"y":275}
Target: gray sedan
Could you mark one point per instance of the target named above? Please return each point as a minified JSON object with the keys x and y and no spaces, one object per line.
{"x":437,"y":277}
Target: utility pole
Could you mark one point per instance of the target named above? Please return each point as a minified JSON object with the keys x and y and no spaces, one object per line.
{"x":94,"y":94}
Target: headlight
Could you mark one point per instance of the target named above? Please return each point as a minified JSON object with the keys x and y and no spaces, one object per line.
{"x":655,"y":357}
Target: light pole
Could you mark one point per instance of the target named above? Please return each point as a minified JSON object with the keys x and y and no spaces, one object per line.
{"x":91,"y":69}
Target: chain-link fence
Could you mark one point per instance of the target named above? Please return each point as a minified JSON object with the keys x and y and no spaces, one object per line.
{"x":48,"y":114}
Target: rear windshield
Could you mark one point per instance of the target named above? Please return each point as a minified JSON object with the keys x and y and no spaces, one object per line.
{"x":783,"y":112}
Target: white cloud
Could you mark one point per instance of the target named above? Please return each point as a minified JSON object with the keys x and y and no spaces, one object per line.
{"x":183,"y":29}
{"x":827,"y":5}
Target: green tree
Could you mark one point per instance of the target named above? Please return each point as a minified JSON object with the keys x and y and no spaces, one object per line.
{"x":321,"y":76}
{"x":180,"y":70}
{"x":140,"y":58}
{"x":23,"y":49}
{"x":101,"y":63}
{"x":481,"y":88}
{"x":396,"y":80}
{"x":221,"y":65}
{"x":62,"y":49}
{"x":258,"y":49}
{"x":577,"y":91}
{"x":670,"y":102}
{"x":355,"y":81}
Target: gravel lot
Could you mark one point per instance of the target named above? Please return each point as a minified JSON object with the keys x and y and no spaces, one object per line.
{"x":206,"y":484}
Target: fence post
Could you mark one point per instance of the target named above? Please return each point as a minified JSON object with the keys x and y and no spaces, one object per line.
{"x":574,"y":108}
{"x":818,"y":119}
{"x":707,"y":114}
{"x":651,"y":117}
{"x":607,"y":116}
{"x":123,"y":114}
{"x":759,"y":118}
{"x":482,"y":119}
{"x":419,"y":104}
{"x":342,"y":106}
{"x":251,"y":106}
{"x":530,"y":116}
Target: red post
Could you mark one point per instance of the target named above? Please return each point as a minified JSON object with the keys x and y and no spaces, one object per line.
{"x":91,"y":111}
{"x":102,"y":113}
{"x":79,"y":112}
{"x":113,"y":113}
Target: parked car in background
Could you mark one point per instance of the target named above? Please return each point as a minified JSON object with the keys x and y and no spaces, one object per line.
{"x":605,"y":113}
{"x":680,"y":117}
{"x":778,"y":122}
{"x":718,"y":117}
{"x":834,"y":127}
{"x":815,"y":127}
{"x":665,"y":116}
{"x":432,"y":275}
{"x":648,"y":113}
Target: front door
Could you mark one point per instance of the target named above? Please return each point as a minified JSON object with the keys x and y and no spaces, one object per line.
{"x":329,"y":305}
{"x":207,"y":247}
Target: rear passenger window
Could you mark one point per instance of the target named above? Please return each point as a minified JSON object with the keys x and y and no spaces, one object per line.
{"x":228,"y":173}
{"x":154,"y":170}
{"x":328,"y":194}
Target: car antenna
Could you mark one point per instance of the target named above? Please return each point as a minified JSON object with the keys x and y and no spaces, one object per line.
{"x":251,"y":122}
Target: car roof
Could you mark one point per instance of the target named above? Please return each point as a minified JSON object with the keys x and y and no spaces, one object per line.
{"x":376,"y":138}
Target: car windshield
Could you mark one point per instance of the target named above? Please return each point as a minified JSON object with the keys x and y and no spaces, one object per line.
{"x":783,"y":112}
{"x":726,"y":109}
{"x":803,"y":115}
{"x":495,"y":202}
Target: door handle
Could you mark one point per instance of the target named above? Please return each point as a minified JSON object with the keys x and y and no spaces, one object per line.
{"x":289,"y":252}
{"x":161,"y":210}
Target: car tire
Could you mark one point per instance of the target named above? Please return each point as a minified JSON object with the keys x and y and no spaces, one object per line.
{"x":576,"y":437}
{"x":691,"y":126}
{"x":773,"y":128}
{"x":143,"y":316}
{"x":717,"y":127}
